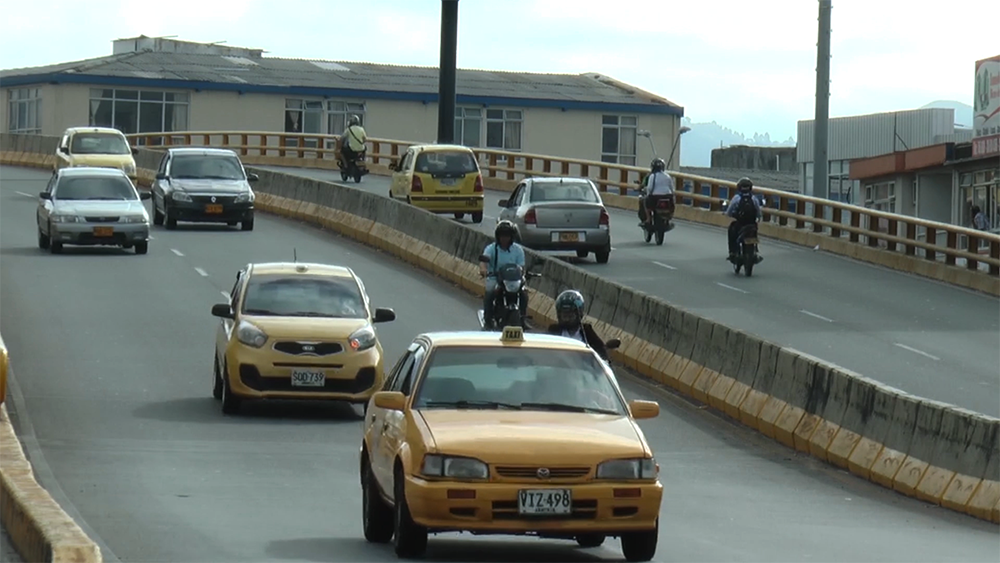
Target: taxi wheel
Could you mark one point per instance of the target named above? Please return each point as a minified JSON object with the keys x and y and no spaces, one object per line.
{"x":410,"y":539}
{"x":217,"y":380}
{"x":230,"y":402}
{"x":590,"y":540}
{"x":376,"y":516}
{"x":477,"y":217}
{"x":640,"y":546}
{"x":459,"y":216}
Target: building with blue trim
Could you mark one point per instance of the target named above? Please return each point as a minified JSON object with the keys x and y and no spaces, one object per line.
{"x":159,"y":84}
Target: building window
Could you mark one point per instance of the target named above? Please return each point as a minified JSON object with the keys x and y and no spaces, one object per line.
{"x":24,"y":111}
{"x":881,"y":196}
{"x":469,"y":126}
{"x":840,"y":184}
{"x":618,"y":139}
{"x":981,"y":189}
{"x":339,"y":112}
{"x":303,"y":116}
{"x":134,"y":111}
{"x":503,"y":129}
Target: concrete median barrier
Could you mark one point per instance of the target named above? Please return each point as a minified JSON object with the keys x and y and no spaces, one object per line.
{"x":920,"y":448}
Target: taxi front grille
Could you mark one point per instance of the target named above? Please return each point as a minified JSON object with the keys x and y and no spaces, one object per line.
{"x":308,"y":348}
{"x":99,"y":219}
{"x":532,"y":472}
{"x":582,"y":510}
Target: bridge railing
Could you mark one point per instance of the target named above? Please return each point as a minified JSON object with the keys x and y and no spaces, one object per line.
{"x":912,"y":236}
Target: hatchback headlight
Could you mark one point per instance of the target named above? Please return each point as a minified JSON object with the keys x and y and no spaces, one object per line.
{"x":129,"y":169}
{"x":626,"y":469}
{"x":454,"y":467}
{"x":250,"y":334}
{"x":362,"y":339}
{"x":67,"y":219}
{"x":135,"y":219}
{"x":179,"y":196}
{"x":244,"y":197}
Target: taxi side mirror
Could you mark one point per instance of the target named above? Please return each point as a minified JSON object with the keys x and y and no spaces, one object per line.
{"x":252,"y":177}
{"x":45,"y":195}
{"x":144,"y":195}
{"x":390,"y":400}
{"x":135,"y":151}
{"x":613,"y":344}
{"x":223,"y":311}
{"x":384,"y":315}
{"x":502,"y":203}
{"x":394,"y":165}
{"x":644,"y":409}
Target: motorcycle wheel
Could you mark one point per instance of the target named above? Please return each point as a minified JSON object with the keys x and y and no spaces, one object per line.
{"x":513,"y":319}
{"x":660,"y":229}
{"x":344,"y":175}
{"x":357,"y":176}
{"x":748,"y":259}
{"x":647,"y":234}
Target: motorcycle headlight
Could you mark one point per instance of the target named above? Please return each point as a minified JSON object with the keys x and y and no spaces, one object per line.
{"x":179,"y":196}
{"x":454,"y":467}
{"x":626,"y":469}
{"x":512,"y":286}
{"x":250,"y":334}
{"x":244,"y":197}
{"x":67,"y":219}
{"x":362,"y":339}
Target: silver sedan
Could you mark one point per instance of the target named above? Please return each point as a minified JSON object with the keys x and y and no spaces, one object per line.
{"x":560,"y":214}
{"x":92,"y":207}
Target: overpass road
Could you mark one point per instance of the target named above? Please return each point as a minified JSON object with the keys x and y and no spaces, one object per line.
{"x":925,"y":337}
{"x":112,"y":380}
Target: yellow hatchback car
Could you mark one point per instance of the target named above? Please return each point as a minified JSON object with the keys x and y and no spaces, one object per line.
{"x":297,"y":331}
{"x":440,"y":179}
{"x":507,"y":433}
{"x":99,"y":147}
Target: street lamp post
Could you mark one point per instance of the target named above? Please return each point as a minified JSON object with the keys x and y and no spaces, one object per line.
{"x":649,"y":136}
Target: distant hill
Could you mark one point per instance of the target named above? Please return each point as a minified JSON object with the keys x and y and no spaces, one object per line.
{"x":963,"y":112}
{"x":697,"y":144}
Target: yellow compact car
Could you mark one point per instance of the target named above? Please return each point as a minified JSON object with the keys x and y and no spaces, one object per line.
{"x":98,"y":147}
{"x":507,"y":433}
{"x":297,"y":331}
{"x":440,"y":179}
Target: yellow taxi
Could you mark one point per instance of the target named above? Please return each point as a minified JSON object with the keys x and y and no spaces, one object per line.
{"x":297,"y":331}
{"x":440,"y":179}
{"x":99,"y":147}
{"x":507,"y":433}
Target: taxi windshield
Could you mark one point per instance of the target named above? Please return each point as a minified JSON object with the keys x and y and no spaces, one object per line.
{"x":99,"y":143}
{"x":563,"y":191}
{"x":282,"y":295}
{"x":105,"y":188}
{"x":518,"y":378}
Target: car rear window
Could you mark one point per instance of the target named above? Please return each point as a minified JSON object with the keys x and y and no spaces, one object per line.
{"x":283,"y":295}
{"x":515,"y":376}
{"x":99,"y":143}
{"x":566,"y":191}
{"x":446,"y":162}
{"x":209,"y":166}
{"x":107,"y":188}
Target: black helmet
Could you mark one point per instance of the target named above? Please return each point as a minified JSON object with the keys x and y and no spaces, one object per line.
{"x":503,"y":228}
{"x":658,"y":165}
{"x":744,"y":185}
{"x":569,"y":308}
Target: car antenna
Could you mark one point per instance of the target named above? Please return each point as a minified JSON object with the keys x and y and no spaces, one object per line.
{"x":295,"y":255}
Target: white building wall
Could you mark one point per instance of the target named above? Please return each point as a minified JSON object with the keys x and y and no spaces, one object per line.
{"x":934,"y":199}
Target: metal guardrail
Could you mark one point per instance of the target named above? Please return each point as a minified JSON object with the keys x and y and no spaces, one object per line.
{"x":951,"y":244}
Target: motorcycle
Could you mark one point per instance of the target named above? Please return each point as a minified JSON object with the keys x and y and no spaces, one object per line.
{"x":663,"y":216}
{"x":747,"y":242}
{"x":507,"y":304}
{"x":356,"y":168}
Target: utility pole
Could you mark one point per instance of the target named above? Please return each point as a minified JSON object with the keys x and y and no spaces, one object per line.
{"x":447,"y":71}
{"x":821,"y":138}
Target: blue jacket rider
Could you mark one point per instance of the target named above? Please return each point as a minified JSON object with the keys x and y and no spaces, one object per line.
{"x":499,"y":253}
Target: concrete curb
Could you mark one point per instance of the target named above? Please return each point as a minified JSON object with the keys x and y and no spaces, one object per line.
{"x":955,"y":275}
{"x":923,"y":449}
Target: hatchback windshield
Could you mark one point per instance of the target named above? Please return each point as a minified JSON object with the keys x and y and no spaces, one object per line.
{"x":551,"y":191}
{"x":99,"y":143}
{"x":518,"y":378}
{"x":110,"y":188}
{"x":446,"y":162}
{"x":303,"y":296}
{"x":206,"y":166}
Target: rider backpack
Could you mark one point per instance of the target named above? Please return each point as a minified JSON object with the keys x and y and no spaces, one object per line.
{"x":746,"y":210}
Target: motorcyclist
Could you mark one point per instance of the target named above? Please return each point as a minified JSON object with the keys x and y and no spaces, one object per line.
{"x":569,"y":314}
{"x":353,"y":139}
{"x":499,"y":253}
{"x":657,"y":184}
{"x":745,"y":210}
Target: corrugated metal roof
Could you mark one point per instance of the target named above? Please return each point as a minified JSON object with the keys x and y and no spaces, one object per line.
{"x":268,"y":71}
{"x":862,"y":136}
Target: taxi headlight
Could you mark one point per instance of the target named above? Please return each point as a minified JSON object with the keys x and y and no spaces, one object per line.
{"x":135,"y":219}
{"x":244,"y":197}
{"x":362,"y":339}
{"x":67,"y":219}
{"x":129,"y":168}
{"x":179,"y":196}
{"x":625,"y":469}
{"x":454,"y":467}
{"x":250,"y":334}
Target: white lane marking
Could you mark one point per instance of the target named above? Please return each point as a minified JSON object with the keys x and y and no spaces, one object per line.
{"x":731,"y":287}
{"x":814,"y":315}
{"x":202,"y":272}
{"x":25,"y":195}
{"x":177,"y":252}
{"x":662,"y":265}
{"x":915,"y":351}
{"x":226,"y":295}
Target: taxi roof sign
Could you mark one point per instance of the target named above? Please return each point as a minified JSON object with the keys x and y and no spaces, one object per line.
{"x":512,"y":334}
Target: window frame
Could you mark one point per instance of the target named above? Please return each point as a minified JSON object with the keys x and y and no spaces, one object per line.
{"x":622,"y":131}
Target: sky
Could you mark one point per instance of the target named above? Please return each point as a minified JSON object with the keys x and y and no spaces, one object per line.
{"x":749,"y":66}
